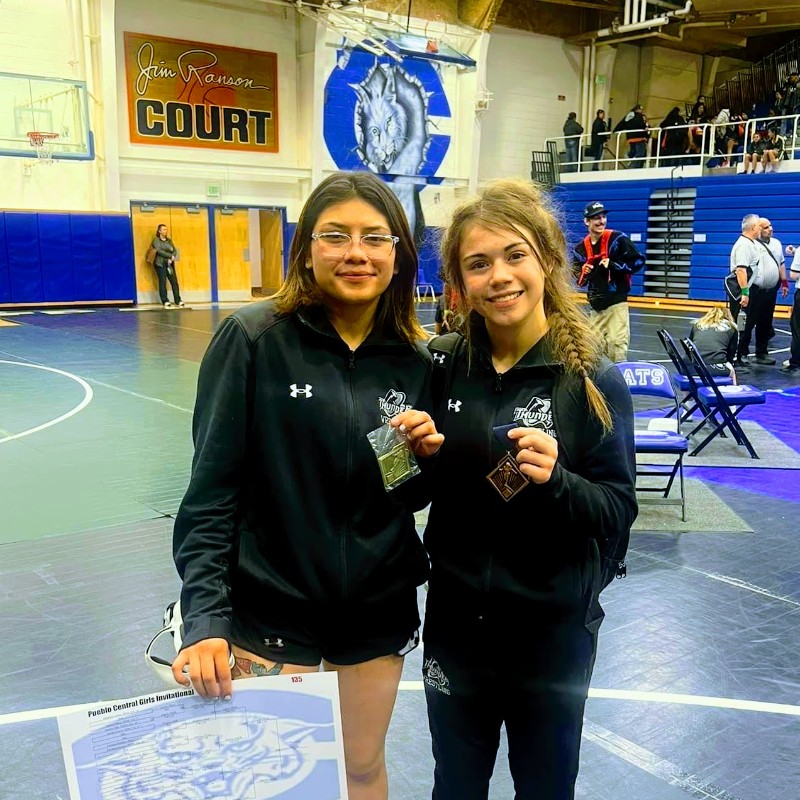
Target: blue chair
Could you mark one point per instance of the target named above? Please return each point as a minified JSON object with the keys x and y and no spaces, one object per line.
{"x":684,"y":379}
{"x":720,"y":405}
{"x":653,"y":380}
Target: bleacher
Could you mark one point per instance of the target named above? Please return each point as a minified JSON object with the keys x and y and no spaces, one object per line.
{"x":719,"y":206}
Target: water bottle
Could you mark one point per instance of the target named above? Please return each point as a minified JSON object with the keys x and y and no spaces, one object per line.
{"x":741,"y":320}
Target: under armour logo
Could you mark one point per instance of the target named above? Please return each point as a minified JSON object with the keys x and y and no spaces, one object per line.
{"x":438,"y":358}
{"x":454,"y":405}
{"x":295,"y":392}
{"x":273,"y":641}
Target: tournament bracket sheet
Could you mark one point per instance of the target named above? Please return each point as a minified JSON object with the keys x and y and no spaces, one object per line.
{"x":280,"y":736}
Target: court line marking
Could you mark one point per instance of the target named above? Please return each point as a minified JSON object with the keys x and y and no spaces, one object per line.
{"x":418,"y":686}
{"x":88,"y":394}
{"x":140,"y":396}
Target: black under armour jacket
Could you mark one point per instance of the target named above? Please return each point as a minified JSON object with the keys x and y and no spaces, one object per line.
{"x":286,"y":503}
{"x":539,"y":553}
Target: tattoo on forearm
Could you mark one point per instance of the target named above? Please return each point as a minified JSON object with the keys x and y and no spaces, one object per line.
{"x":247,"y":668}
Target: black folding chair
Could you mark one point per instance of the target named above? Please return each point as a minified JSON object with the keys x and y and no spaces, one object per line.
{"x":721,"y":405}
{"x":653,"y":380}
{"x":683,"y":378}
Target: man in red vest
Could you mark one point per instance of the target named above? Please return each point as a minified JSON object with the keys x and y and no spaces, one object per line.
{"x":605,"y":260}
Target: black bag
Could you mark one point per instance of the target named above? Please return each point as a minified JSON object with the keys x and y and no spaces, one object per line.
{"x":732,"y":288}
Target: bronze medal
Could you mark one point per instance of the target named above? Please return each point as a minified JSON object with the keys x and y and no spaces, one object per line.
{"x":507,"y":477}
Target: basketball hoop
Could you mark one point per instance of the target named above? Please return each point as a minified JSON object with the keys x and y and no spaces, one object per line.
{"x":43,"y":142}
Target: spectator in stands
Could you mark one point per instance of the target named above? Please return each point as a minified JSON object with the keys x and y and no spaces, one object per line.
{"x":716,"y":336}
{"x":599,"y":134}
{"x":673,"y":137}
{"x":773,"y":150}
{"x":634,"y":123}
{"x":572,"y":133}
{"x":720,"y":123}
{"x":792,"y":366}
{"x":734,"y":138}
{"x":606,"y":260}
{"x":696,"y":138}
{"x":755,"y":150}
{"x":699,"y":114}
{"x":791,"y":98}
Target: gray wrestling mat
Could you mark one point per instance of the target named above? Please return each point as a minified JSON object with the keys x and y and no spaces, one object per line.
{"x":719,"y":452}
{"x":705,"y":513}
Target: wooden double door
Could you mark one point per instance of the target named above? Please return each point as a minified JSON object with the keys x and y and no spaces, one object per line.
{"x":224,"y":253}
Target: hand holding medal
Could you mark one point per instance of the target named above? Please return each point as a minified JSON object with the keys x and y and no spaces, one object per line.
{"x":534,"y":460}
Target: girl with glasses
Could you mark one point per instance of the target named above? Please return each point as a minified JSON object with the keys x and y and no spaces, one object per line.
{"x":292,"y":553}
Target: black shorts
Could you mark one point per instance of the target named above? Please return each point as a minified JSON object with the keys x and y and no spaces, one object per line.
{"x":340,"y":634}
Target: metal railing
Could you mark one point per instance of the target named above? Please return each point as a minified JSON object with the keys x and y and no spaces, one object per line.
{"x":700,"y":145}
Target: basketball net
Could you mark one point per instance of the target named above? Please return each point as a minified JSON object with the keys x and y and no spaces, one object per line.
{"x":43,"y":142}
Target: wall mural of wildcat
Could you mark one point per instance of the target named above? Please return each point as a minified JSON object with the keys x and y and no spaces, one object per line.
{"x":381,"y":115}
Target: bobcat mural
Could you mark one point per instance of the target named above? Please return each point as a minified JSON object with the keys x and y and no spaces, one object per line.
{"x":391,"y":126}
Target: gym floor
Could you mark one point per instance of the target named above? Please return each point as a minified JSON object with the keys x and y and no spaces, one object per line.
{"x":696,"y":686}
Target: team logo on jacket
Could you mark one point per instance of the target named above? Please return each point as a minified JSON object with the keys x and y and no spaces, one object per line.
{"x":301,"y":391}
{"x":392,"y":403}
{"x":432,"y":675}
{"x":537,"y":414}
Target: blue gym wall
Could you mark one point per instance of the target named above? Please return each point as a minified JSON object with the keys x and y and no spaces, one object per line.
{"x":65,"y":258}
{"x":721,"y":203}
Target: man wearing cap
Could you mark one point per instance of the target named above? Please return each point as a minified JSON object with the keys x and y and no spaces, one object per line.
{"x":605,"y":260}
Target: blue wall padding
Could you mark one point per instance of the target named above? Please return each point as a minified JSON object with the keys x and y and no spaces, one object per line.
{"x":65,"y":258}
{"x":55,"y":249}
{"x":87,"y":257}
{"x":721,"y":203}
{"x":24,"y":261}
{"x":119,"y":279}
{"x":5,"y":285}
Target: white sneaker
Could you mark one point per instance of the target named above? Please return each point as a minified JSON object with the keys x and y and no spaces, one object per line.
{"x":785,"y":363}
{"x":167,"y":304}
{"x":181,"y":304}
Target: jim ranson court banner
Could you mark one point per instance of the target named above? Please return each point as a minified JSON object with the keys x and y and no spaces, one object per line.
{"x":190,"y":94}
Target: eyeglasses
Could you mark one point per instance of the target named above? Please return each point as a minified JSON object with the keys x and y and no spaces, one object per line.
{"x":375,"y":245}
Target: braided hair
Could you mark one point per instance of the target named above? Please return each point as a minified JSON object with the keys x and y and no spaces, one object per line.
{"x":522,"y":207}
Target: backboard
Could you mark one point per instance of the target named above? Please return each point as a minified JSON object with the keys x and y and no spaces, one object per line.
{"x":52,"y":105}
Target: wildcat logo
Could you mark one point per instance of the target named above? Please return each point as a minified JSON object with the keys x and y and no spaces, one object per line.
{"x":432,"y":675}
{"x":249,"y":751}
{"x":392,"y":404}
{"x":295,"y":392}
{"x":454,"y":405}
{"x":438,"y":358}
{"x":537,"y":414}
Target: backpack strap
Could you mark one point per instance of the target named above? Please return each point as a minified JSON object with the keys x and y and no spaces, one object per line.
{"x":444,"y":350}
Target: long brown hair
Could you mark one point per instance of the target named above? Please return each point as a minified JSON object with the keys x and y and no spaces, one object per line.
{"x":521,"y":207}
{"x":396,"y":312}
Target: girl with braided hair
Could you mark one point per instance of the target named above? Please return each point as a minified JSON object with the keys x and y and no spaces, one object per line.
{"x":534,"y":497}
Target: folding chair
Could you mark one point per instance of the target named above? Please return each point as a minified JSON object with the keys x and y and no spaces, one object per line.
{"x":683,"y":378}
{"x":720,"y":405}
{"x":653,"y":380}
{"x":423,"y":289}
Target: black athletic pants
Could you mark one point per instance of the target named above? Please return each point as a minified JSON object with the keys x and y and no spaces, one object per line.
{"x":760,"y":309}
{"x":536,"y":686}
{"x":164,"y":274}
{"x":794,"y":326}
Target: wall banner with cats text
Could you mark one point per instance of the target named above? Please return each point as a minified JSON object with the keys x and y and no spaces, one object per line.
{"x":190,"y":94}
